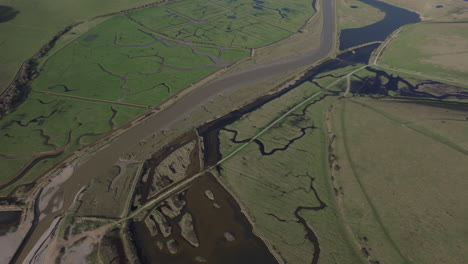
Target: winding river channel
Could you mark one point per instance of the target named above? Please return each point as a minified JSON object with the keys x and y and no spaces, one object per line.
{"x":105,"y":158}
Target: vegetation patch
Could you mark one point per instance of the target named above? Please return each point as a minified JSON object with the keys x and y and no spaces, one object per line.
{"x":7,"y":13}
{"x":247,"y":24}
{"x":125,"y":63}
{"x":437,"y":49}
{"x":355,"y":14}
{"x":48,"y":128}
{"x":288,"y":193}
{"x":400,"y":206}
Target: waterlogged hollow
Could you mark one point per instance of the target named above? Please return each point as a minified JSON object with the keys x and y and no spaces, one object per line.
{"x":9,"y":220}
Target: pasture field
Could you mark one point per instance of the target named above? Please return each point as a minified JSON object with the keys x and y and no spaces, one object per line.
{"x":119,"y":61}
{"x":402,"y":182}
{"x":438,"y":49}
{"x":37,"y":22}
{"x":245,"y":24}
{"x":288,"y":183}
{"x":428,"y":9}
{"x":355,"y":14}
{"x":49,"y":125}
{"x":290,"y":14}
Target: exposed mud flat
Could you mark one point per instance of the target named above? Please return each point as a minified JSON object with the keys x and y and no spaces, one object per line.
{"x":224,"y":233}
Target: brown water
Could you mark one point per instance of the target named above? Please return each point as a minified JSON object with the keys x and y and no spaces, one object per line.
{"x":210,"y":225}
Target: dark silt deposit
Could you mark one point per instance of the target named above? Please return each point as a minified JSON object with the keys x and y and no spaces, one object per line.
{"x":223,"y":232}
{"x":395,"y":17}
{"x":7,"y":13}
{"x":9,"y":220}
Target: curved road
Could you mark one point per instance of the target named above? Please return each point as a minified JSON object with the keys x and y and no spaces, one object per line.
{"x":105,"y":158}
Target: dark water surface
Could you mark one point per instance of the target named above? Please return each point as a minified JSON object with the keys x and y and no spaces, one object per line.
{"x":395,"y":17}
{"x":9,"y":219}
{"x":210,"y":225}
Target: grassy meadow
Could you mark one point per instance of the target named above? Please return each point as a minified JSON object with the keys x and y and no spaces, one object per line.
{"x":401,"y":180}
{"x":119,"y":61}
{"x":359,"y":15}
{"x":243,"y":24}
{"x":437,"y":49}
{"x":274,"y":187}
{"x":428,"y":8}
{"x":38,"y":21}
{"x":390,"y":172}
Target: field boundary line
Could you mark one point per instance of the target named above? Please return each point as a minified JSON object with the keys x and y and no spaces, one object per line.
{"x":90,"y":99}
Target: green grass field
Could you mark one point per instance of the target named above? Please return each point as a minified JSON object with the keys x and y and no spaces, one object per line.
{"x":360,"y":16}
{"x":118,"y":60}
{"x":428,"y":8}
{"x":272,"y":187}
{"x":438,"y":49}
{"x":227,"y":23}
{"x":402,"y":179}
{"x":37,"y":22}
